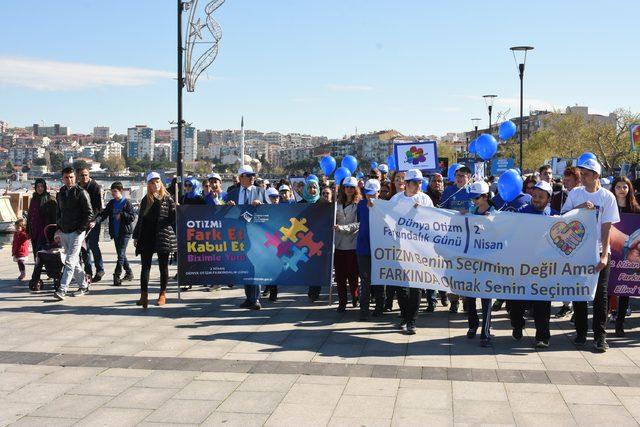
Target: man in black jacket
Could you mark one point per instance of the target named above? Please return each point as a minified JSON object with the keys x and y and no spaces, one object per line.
{"x":93,"y":254}
{"x":74,"y":215}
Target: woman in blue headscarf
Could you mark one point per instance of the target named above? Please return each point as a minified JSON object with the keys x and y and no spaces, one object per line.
{"x":311,"y":191}
{"x":192,"y":192}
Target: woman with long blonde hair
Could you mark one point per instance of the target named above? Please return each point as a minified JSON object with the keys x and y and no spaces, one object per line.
{"x":154,"y":234}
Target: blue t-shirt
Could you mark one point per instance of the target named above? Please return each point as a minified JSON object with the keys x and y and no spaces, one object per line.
{"x":117,"y":209}
{"x":211,"y":201}
{"x":512,"y":206}
{"x":529,"y":209}
{"x":363,"y":242}
{"x":456,"y":198}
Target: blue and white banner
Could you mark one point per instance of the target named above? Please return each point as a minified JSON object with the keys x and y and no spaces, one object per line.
{"x":506,"y":255}
{"x":287,"y":244}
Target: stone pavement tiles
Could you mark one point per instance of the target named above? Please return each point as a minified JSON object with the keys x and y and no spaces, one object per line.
{"x":99,"y":359}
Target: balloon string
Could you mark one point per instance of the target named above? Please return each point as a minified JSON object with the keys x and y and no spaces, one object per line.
{"x":447,"y":199}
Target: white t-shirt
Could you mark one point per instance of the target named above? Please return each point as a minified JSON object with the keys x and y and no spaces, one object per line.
{"x":604,"y":202}
{"x":419,"y":198}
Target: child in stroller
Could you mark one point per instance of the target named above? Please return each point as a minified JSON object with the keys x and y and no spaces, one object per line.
{"x":50,"y":257}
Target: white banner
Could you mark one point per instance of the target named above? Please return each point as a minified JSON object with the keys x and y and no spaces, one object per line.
{"x":505,"y":255}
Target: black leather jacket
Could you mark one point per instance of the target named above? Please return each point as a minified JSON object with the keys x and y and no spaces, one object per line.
{"x":74,"y":209}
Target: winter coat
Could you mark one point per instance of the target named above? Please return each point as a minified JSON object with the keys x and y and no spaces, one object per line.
{"x":41,"y":212}
{"x":20,"y":245}
{"x":74,"y":209}
{"x":154,"y":229}
{"x":348,"y":225}
{"x":127,"y":216}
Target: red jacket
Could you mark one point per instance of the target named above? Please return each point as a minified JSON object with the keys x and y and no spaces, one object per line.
{"x":20,"y":248}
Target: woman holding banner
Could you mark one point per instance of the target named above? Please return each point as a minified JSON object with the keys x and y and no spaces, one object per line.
{"x":482,"y":205}
{"x":154,"y":234}
{"x":345,"y":260}
{"x":311,"y":194}
{"x":627,"y":203}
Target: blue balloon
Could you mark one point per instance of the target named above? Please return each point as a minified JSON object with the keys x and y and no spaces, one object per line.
{"x":328,"y":165}
{"x":374,"y":165}
{"x":472,"y":147}
{"x":311,"y":177}
{"x":586,"y":156}
{"x":486,"y":146}
{"x":360,"y":175}
{"x":510,"y":185}
{"x":451,"y":173}
{"x":350,"y":163}
{"x":507,"y":130}
{"x":391,"y":162}
{"x":340,"y":174}
{"x":425,"y":184}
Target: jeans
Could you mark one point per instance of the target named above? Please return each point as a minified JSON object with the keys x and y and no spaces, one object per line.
{"x":599,"y":308}
{"x":94,"y":256}
{"x":364,"y":269}
{"x":71,"y":243}
{"x":163,"y":264}
{"x":252,"y":292}
{"x":345,"y":263}
{"x":623,"y":305}
{"x":472,"y":316}
{"x":121,"y":243}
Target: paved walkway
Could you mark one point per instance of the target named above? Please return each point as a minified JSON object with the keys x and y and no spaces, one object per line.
{"x":100,"y":360}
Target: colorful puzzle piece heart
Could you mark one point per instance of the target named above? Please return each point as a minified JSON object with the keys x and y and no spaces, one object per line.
{"x":567,"y":237}
{"x":297,"y":225}
{"x":306,"y":240}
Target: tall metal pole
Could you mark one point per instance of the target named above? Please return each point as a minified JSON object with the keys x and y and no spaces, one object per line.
{"x":180,"y":86}
{"x":242,"y":141}
{"x":521,"y":69}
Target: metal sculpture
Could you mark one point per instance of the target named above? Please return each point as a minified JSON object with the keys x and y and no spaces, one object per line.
{"x":195,"y":60}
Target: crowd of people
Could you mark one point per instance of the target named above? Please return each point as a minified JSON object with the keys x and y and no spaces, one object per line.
{"x":76,"y":212}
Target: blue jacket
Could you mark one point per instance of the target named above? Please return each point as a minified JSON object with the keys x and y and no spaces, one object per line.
{"x":456,"y":198}
{"x":512,"y":206}
{"x":363,"y":243}
{"x":531,"y":210}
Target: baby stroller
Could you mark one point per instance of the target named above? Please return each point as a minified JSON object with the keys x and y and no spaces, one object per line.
{"x":51,"y":258}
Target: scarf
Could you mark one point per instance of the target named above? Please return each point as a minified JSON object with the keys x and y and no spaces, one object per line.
{"x":305,"y":193}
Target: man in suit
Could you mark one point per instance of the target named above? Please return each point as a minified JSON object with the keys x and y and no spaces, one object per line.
{"x":247,"y":194}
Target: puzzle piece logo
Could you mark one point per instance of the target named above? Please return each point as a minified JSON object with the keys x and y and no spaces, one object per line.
{"x":415,"y":155}
{"x":294,"y":244}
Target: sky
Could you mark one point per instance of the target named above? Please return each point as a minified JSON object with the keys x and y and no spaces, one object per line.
{"x":318,"y":67}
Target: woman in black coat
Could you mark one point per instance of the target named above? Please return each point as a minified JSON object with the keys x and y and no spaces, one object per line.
{"x":154,"y":234}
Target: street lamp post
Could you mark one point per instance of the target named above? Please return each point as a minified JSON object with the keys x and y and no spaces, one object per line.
{"x":475,"y":121}
{"x":489,"y":100}
{"x":522,"y":51}
{"x":181,"y":7}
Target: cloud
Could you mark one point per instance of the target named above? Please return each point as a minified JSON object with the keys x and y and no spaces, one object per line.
{"x":46,"y":75}
{"x":349,"y":88}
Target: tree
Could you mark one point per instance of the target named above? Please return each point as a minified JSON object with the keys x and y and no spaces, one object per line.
{"x":80,"y":164}
{"x":56,"y":161}
{"x":40,"y":161}
{"x":9,"y":167}
{"x":114,"y":164}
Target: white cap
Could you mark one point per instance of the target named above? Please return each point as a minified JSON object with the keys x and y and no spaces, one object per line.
{"x":246,"y":170}
{"x":478,"y":188}
{"x":214,"y":176}
{"x":372,"y":186}
{"x":544,"y":186}
{"x":266,"y":182}
{"x":271,"y":192}
{"x":413,"y":175}
{"x":350,"y":181}
{"x":592,"y":165}
{"x":383,"y":168}
{"x":153,"y":175}
{"x":284,"y":187}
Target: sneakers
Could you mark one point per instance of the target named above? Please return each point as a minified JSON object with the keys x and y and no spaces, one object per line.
{"x":403,"y":326}
{"x":99,"y":275}
{"x":564,"y":311}
{"x":411,"y":328}
{"x":517,"y":334}
{"x":430,"y":308}
{"x":542,"y":344}
{"x":601,"y":345}
{"x":128,"y":276}
{"x":580,"y":340}
{"x":471,"y":333}
{"x":620,"y":332}
{"x":59,"y":295}
{"x":80,"y":292}
{"x":255,"y":306}
{"x":497,"y":305}
{"x":21,"y":276}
